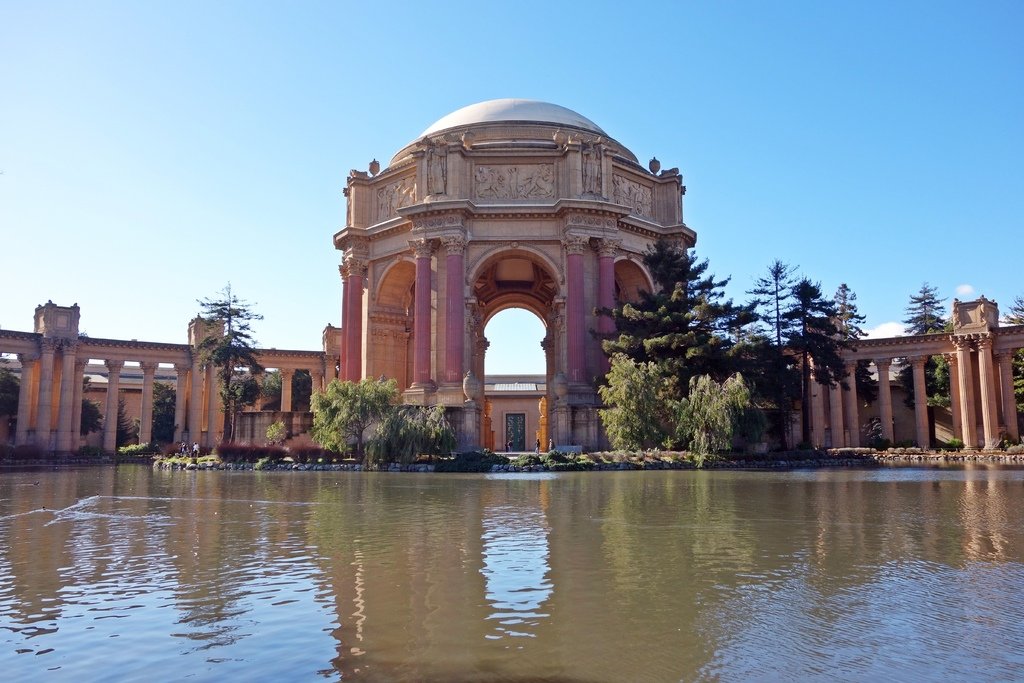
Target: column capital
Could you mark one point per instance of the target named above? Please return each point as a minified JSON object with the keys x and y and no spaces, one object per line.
{"x":1004,"y":355}
{"x":608,"y":247}
{"x":422,"y":247}
{"x":883,"y":363}
{"x":454,"y":244}
{"x":48,"y":346}
{"x":114,"y":365}
{"x":961,"y":342}
{"x":352,"y":266}
{"x":575,"y":244}
{"x":983,"y":341}
{"x":24,"y":358}
{"x":918,"y":361}
{"x":80,"y":364}
{"x":148,"y":367}
{"x":286,"y":372}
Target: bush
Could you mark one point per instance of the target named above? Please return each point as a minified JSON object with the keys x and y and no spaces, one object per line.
{"x":233,"y":452}
{"x":90,"y":451}
{"x":954,"y":444}
{"x":139,"y":449}
{"x":312,"y":454}
{"x":472,"y":461}
{"x":1015,"y":450}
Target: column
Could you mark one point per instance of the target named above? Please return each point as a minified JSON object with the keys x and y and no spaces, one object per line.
{"x":607,"y":249}
{"x":920,"y":401}
{"x":28,"y":366}
{"x":421,"y":315}
{"x":343,"y":269}
{"x":455,"y":308}
{"x":574,"y":307}
{"x":884,"y":397}
{"x":968,"y":422}
{"x":195,"y":400}
{"x":353,"y":328}
{"x":44,"y":415}
{"x":212,"y":405}
{"x":110,"y":411}
{"x":316,"y":377}
{"x":835,"y":404}
{"x":852,"y":405}
{"x":1005,"y":361}
{"x":180,"y":387}
{"x":66,"y":407}
{"x":146,"y":418}
{"x":989,"y":404}
{"x":954,"y":394}
{"x":76,"y":417}
{"x":817,"y":413}
{"x":286,"y":388}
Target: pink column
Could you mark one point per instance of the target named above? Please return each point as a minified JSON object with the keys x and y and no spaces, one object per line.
{"x":455,"y":308}
{"x":421,"y":321}
{"x":968,"y":420}
{"x":989,"y":405}
{"x":606,"y":290}
{"x":353,"y":340}
{"x":344,"y":320}
{"x":574,"y":308}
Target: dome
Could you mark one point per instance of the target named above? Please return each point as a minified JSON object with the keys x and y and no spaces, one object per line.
{"x":513,"y":110}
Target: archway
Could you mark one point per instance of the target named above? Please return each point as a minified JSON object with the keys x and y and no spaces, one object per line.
{"x":515,"y":381}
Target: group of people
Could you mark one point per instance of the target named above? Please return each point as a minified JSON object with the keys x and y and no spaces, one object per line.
{"x":184,"y":450}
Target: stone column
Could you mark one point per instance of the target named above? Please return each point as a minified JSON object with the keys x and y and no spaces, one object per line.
{"x":455,"y":308}
{"x":146,"y":418}
{"x":44,"y":415}
{"x":66,"y":407}
{"x":27,"y":362}
{"x":607,"y":249}
{"x":835,"y":404}
{"x":316,"y":377}
{"x":989,"y":403}
{"x":884,"y":397}
{"x":195,"y":400}
{"x":421,"y":315}
{"x":1005,"y":361}
{"x":353,"y":343}
{"x":345,"y":286}
{"x":574,"y":308}
{"x":286,"y":389}
{"x":920,"y":401}
{"x":180,"y":388}
{"x":212,"y":405}
{"x":852,"y":405}
{"x":110,"y":411}
{"x":954,"y":394}
{"x":968,"y":421}
{"x":817,"y":413}
{"x":76,"y":415}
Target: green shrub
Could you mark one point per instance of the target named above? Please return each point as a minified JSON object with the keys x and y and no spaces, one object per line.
{"x":264,"y":464}
{"x":472,"y":461}
{"x":90,"y":451}
{"x":954,"y":444}
{"x":139,"y":449}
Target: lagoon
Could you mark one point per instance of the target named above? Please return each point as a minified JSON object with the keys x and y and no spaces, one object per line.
{"x":128,"y":573}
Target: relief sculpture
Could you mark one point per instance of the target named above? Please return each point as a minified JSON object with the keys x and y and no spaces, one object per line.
{"x":395,"y":195}
{"x":534,"y":181}
{"x":632,"y":194}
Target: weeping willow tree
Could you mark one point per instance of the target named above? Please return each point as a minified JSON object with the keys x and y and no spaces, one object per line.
{"x":408,"y":431}
{"x":712,"y":414}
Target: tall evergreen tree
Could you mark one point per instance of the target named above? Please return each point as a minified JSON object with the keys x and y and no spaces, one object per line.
{"x":772,"y":297}
{"x":1015,"y":316}
{"x":849,"y":321}
{"x":230,"y":350}
{"x":924,"y":312}
{"x":163,"y":413}
{"x":684,"y":326}
{"x":813,"y":335}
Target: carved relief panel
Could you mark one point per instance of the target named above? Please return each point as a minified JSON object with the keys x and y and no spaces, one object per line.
{"x":395,"y":195}
{"x":632,"y":194}
{"x":523,"y":181}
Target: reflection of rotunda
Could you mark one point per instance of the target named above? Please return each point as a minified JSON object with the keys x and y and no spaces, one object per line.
{"x":502,"y":204}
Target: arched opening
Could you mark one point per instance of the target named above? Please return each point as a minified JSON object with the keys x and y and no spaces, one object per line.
{"x":388,"y":351}
{"x":630,"y":280}
{"x":514,"y":348}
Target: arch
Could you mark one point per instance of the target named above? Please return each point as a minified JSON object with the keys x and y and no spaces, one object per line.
{"x":497,"y":253}
{"x":394,"y":286}
{"x":630,"y":278}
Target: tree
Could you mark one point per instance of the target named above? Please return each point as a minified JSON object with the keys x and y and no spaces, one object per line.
{"x":814,"y":337}
{"x":346,"y":410}
{"x":270,"y":390}
{"x":9,"y":385}
{"x":230,"y":350}
{"x":276,"y":432}
{"x":407,"y":431}
{"x":126,"y":431}
{"x":163,"y":413}
{"x":924,"y":312}
{"x":685,"y":325}
{"x":92,"y":417}
{"x":849,"y":321}
{"x":639,"y":404}
{"x":772,"y":295}
{"x":1015,"y":316}
{"x":713,"y":413}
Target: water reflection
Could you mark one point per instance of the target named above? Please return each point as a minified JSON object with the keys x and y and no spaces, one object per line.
{"x":515,"y":568}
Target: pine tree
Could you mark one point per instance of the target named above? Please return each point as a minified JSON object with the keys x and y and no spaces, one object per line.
{"x":849,"y":321}
{"x":813,"y":335}
{"x":1015,"y":316}
{"x":924,"y":312}
{"x":228,"y":352}
{"x":684,"y":326}
{"x":772,"y":297}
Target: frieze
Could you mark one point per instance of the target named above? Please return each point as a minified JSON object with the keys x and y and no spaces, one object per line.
{"x":527,"y":181}
{"x":588,"y":220}
{"x":632,"y":194}
{"x":394,"y":196}
{"x":450,"y":220}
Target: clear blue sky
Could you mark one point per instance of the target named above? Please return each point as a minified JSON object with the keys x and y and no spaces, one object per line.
{"x":182,"y":145}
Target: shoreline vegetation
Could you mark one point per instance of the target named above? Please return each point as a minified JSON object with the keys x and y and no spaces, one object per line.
{"x":312,"y":459}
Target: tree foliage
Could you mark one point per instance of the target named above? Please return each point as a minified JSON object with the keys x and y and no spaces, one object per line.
{"x":164,"y":396}
{"x":276,"y":432}
{"x":684,"y":326}
{"x":346,"y":410}
{"x":713,"y":413}
{"x":924,"y":316}
{"x":849,"y":321}
{"x":408,"y":431}
{"x":127,"y":431}
{"x":924,"y":312}
{"x":1015,"y":316}
{"x":772,"y":297}
{"x":230,"y":348}
{"x":639,"y":404}
{"x":270,"y":390}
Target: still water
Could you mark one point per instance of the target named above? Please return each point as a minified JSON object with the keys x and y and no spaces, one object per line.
{"x":131,"y":574}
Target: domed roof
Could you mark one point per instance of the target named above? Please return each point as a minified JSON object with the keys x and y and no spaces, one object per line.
{"x":513,"y":110}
